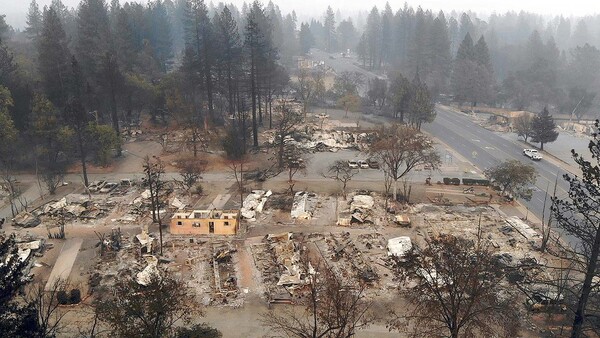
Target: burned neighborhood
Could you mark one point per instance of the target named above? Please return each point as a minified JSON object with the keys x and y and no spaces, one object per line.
{"x":184,"y":168}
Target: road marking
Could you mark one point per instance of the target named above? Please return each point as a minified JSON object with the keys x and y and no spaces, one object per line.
{"x":475,"y":140}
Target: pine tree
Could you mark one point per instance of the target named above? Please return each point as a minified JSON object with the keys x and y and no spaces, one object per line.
{"x":387,"y":25}
{"x":419,"y":55}
{"x":8,"y":137}
{"x":581,"y":34}
{"x":440,"y":54}
{"x":543,"y":128}
{"x":466,"y":49}
{"x":404,"y":32}
{"x":472,"y":76}
{"x":400,"y":93}
{"x":76,"y":115}
{"x":254,"y":44}
{"x":7,"y":64}
{"x":53,"y":55}
{"x":124,"y":40}
{"x":329,"y":27}
{"x":34,"y":21}
{"x":199,"y":36}
{"x":159,"y":33}
{"x":463,"y":73}
{"x":347,"y":36}
{"x":93,"y":36}
{"x":307,"y":40}
{"x":373,"y":38}
{"x":466,"y":26}
{"x":112,"y":84}
{"x":291,"y":45}
{"x":421,"y":108}
{"x":484,"y":71}
{"x":229,"y":58}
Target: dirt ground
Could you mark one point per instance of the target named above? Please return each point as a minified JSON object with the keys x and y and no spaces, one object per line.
{"x":239,"y":315}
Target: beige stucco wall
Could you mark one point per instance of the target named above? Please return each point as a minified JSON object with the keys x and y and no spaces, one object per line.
{"x":183,"y":226}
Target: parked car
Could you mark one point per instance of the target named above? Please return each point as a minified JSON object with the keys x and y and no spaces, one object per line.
{"x":108,"y":187}
{"x":373,"y":164}
{"x":353,"y":164}
{"x":363,"y":164}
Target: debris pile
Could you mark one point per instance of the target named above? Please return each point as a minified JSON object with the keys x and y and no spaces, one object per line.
{"x":26,"y":220}
{"x":225,"y":280}
{"x":506,"y":234}
{"x":399,"y":246}
{"x":254,"y":203}
{"x":346,"y":260}
{"x":278,"y":260}
{"x":75,"y":207}
{"x":150,"y":272}
{"x":304,"y":205}
{"x":361,"y":211}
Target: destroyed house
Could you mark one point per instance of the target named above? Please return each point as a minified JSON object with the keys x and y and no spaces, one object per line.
{"x":201,"y":222}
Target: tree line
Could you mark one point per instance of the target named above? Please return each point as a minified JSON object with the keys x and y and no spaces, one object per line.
{"x":76,"y":79}
{"x":521,"y":60}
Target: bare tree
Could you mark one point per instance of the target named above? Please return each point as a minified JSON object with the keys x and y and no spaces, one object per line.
{"x":154,"y":171}
{"x":46,"y":304}
{"x":523,"y":126}
{"x":190,"y":169}
{"x":331,"y":308}
{"x":155,"y":310}
{"x":547,"y":227}
{"x":458,"y":291}
{"x":341,"y":172}
{"x":53,"y":178}
{"x":306,"y":88}
{"x":579,"y":216}
{"x":294,"y":162}
{"x":387,"y":186}
{"x":237,"y":169}
{"x":14,"y":191}
{"x":513,"y":177}
{"x":287,"y":122}
{"x":400,"y":149}
{"x":349,"y":102}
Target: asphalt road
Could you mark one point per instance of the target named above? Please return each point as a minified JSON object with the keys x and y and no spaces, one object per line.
{"x":485,"y":148}
{"x":480,"y":146}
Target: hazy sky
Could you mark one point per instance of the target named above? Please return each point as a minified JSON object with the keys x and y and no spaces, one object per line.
{"x":15,"y":9}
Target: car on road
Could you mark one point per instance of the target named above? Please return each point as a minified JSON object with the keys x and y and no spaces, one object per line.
{"x":373,"y":164}
{"x":532,"y":154}
{"x":363,"y":164}
{"x":108,"y":187}
{"x":353,"y":164}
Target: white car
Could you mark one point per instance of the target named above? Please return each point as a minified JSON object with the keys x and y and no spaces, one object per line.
{"x":532,"y":154}
{"x":353,"y":164}
{"x":363,"y":164}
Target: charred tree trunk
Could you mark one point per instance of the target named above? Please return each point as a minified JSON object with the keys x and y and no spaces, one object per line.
{"x":577,"y":329}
